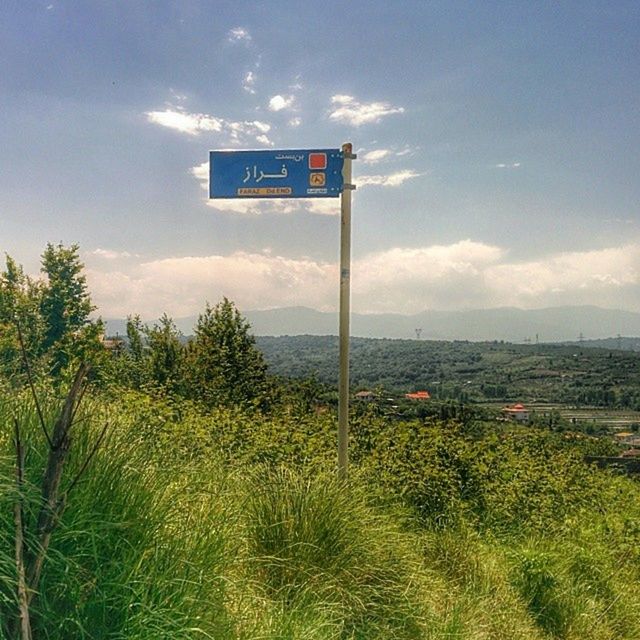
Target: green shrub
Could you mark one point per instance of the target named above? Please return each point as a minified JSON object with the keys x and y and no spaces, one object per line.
{"x":316,"y":544}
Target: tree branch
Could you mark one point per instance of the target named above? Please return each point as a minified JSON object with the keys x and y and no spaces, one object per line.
{"x":27,"y":366}
{"x":52,"y":502}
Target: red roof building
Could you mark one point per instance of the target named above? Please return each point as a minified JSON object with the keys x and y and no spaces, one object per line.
{"x":517,"y":412}
{"x":418,"y":395}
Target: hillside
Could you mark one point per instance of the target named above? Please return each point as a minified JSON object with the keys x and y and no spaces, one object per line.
{"x":227,"y":525}
{"x":475,"y":371}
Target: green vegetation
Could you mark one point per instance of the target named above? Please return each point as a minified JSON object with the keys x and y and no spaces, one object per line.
{"x":211,"y":509}
{"x":50,"y":316}
{"x":223,"y":524}
{"x":468,"y":371}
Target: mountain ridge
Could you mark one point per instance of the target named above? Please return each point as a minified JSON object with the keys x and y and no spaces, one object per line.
{"x":513,"y":324}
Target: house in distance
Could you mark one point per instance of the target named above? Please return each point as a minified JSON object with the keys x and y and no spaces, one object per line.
{"x":418,"y":395}
{"x":517,"y":413}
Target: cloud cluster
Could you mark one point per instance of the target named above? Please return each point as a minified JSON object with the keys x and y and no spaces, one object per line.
{"x":194,"y":124}
{"x":239,"y":34}
{"x":389,"y":180}
{"x":249,"y":82}
{"x":350,"y":111}
{"x":280,"y":103}
{"x":184,"y":122}
{"x":465,"y":274}
{"x":110,"y":254}
{"x":180,"y":286}
{"x":375,"y":156}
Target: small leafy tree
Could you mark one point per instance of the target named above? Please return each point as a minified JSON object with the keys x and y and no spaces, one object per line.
{"x":65,"y":308}
{"x":225,"y":367}
{"x":165,"y":352}
{"x":20,"y":299}
{"x":135,"y":369}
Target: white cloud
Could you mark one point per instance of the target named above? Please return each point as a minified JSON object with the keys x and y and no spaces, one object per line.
{"x":512,"y":165}
{"x":239,"y":34}
{"x":201,"y":172}
{"x":389,"y":180}
{"x":408,"y":280}
{"x":278,"y":102}
{"x":277,"y":206}
{"x":180,"y":286}
{"x":569,"y":278}
{"x":471,"y":274}
{"x":249,"y":82}
{"x":109,"y":254}
{"x":262,"y":139}
{"x":295,"y":122}
{"x":350,"y":111}
{"x":465,"y":274}
{"x":194,"y":124}
{"x":324,"y":206}
{"x":260,"y":126}
{"x":378,"y":155}
{"x":190,"y":123}
{"x":375,"y":156}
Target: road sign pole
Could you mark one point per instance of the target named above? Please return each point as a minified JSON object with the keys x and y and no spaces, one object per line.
{"x":345,"y":278}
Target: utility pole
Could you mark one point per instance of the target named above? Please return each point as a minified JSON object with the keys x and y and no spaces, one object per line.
{"x":345,"y":285}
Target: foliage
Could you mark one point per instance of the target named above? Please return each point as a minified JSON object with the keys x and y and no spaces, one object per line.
{"x":65,"y":307}
{"x":52,"y":315}
{"x":233,"y":525}
{"x":166,"y":355}
{"x":201,"y":517}
{"x":225,"y":368}
{"x":467,"y":371}
{"x":20,"y":298}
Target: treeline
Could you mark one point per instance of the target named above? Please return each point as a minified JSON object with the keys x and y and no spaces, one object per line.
{"x":47,"y":319}
{"x":46,"y":329}
{"x":468,"y":371}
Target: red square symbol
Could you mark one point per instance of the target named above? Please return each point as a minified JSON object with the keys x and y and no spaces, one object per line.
{"x":317,"y":161}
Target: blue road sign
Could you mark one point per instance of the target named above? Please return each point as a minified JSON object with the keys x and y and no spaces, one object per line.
{"x":290,"y":173}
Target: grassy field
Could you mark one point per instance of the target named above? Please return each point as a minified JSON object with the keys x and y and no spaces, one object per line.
{"x":225,"y":525}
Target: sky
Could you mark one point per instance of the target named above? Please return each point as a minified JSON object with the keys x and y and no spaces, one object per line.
{"x":497,"y":148}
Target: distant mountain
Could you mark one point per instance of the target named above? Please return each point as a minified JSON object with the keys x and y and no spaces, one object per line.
{"x":554,"y":324}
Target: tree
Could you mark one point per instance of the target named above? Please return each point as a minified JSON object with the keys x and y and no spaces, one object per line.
{"x":65,"y":308}
{"x":165,"y":352}
{"x":20,"y":298}
{"x":225,"y":367}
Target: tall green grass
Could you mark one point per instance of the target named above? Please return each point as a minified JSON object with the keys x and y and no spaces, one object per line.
{"x":194,"y":526}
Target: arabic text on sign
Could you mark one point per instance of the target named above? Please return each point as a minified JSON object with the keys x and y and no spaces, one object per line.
{"x":276,"y":174}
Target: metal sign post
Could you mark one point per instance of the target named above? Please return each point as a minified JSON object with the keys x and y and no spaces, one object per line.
{"x":300,"y":173}
{"x":345,"y":291}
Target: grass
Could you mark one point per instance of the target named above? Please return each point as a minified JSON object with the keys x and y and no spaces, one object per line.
{"x":159,"y":543}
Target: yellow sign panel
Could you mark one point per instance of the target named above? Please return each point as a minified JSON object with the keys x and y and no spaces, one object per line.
{"x":264,"y":191}
{"x":317,"y":179}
